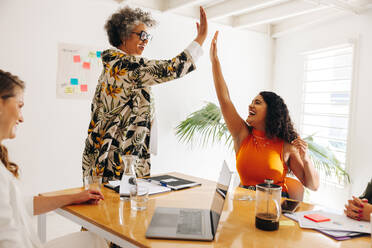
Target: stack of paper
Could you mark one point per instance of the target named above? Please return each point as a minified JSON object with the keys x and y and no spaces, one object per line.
{"x":153,"y":188}
{"x":339,"y":227}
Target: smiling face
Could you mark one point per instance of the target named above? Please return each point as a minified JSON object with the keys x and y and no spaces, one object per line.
{"x":134,"y":45}
{"x":257,"y":113}
{"x":11,"y":113}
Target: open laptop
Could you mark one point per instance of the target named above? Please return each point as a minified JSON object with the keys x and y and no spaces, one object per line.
{"x":191,"y":224}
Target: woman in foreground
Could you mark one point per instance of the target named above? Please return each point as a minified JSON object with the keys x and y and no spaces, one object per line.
{"x":16,"y":209}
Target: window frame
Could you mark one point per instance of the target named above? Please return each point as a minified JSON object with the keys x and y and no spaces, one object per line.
{"x":351,"y":109}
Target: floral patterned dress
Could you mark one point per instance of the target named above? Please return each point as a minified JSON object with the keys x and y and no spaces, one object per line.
{"x":122,"y":111}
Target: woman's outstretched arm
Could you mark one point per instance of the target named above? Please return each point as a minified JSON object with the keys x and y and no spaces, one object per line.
{"x":43,"y":204}
{"x":236,"y":125}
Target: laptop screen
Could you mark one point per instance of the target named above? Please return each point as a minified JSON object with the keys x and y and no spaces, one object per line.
{"x":220,"y":195}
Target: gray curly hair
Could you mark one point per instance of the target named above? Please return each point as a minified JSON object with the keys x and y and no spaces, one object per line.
{"x":120,"y":25}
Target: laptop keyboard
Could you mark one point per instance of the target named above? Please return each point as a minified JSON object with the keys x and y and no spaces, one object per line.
{"x":189,"y":222}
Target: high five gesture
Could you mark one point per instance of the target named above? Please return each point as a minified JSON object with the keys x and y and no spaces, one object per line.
{"x":202,"y":27}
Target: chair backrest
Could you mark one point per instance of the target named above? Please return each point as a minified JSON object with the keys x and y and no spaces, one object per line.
{"x":295,"y":188}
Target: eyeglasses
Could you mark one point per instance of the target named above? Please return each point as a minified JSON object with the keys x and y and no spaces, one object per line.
{"x":143,"y":35}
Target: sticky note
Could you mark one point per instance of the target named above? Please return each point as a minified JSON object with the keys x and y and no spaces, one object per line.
{"x":77,"y":58}
{"x":68,"y":90}
{"x":91,"y":54}
{"x":86,"y":65}
{"x":84,"y":88}
{"x":286,"y":223}
{"x":98,"y":54}
{"x":316,"y":217}
{"x":74,"y":81}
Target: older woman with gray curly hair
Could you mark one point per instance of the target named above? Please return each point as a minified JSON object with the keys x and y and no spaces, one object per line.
{"x":122,"y":107}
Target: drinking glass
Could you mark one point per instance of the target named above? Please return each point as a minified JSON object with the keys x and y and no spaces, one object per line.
{"x":239,"y":194}
{"x":93,"y":182}
{"x":139,"y":197}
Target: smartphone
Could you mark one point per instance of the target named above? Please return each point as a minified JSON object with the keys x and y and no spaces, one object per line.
{"x":289,"y":206}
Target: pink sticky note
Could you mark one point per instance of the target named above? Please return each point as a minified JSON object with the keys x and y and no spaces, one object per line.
{"x":76,"y":58}
{"x":84,"y":87}
{"x":86,"y":65}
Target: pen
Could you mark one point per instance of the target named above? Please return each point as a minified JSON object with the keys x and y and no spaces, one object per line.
{"x":162,"y":183}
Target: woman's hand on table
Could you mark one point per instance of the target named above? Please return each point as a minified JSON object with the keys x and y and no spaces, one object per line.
{"x":90,"y":196}
{"x":358,"y":209}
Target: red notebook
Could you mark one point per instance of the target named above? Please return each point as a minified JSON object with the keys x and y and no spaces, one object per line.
{"x":316,"y":217}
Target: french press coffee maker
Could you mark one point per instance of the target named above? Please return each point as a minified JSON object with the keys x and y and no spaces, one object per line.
{"x":268,"y":208}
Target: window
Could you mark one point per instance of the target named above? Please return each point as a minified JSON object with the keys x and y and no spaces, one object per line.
{"x":327,"y":95}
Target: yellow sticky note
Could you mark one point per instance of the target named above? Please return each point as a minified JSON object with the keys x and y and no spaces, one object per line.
{"x":287,"y":223}
{"x":91,"y":54}
{"x":69,"y":90}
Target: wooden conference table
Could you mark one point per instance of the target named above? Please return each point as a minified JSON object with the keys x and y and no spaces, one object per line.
{"x":115,"y":221}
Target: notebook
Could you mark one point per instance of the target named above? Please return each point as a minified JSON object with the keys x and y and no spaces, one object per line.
{"x":153,"y":188}
{"x":172,"y":182}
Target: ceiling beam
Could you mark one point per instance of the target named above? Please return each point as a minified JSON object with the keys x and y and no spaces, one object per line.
{"x":276,"y":13}
{"x":236,"y":7}
{"x":342,"y":5}
{"x":259,"y":29}
{"x":172,"y":5}
{"x":306,"y":21}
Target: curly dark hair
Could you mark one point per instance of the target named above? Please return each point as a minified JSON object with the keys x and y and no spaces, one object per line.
{"x":278,"y":122}
{"x":8,"y":83}
{"x":120,"y":25}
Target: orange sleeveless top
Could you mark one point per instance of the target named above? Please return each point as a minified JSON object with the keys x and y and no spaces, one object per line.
{"x":260,"y":158}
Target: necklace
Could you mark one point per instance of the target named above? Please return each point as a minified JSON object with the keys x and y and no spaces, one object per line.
{"x":260,"y":141}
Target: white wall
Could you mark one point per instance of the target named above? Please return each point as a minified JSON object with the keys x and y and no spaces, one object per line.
{"x":50,"y":142}
{"x":288,"y":79}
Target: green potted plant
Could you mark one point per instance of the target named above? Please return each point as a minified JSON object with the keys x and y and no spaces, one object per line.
{"x":206,"y":126}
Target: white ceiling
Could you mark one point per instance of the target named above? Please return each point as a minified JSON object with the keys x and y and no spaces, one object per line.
{"x":275,"y":17}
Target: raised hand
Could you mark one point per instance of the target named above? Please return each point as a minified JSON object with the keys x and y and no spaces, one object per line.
{"x":202,"y":28}
{"x":301,"y":147}
{"x":213,"y":50}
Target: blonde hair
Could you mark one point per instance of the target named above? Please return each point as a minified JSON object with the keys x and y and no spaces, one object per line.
{"x":8,"y":83}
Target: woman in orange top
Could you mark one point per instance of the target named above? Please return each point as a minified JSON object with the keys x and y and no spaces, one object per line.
{"x":266,"y":144}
